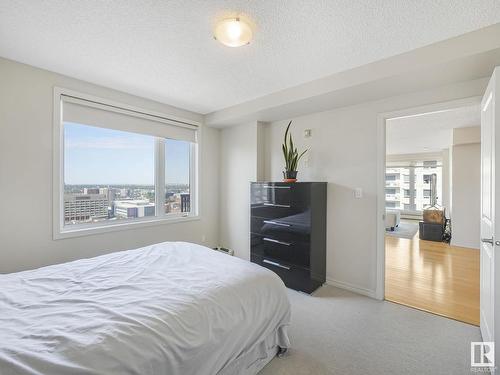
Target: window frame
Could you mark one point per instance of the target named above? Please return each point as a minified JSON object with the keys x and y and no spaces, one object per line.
{"x":60,"y":231}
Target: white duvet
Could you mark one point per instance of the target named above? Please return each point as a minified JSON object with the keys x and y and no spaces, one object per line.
{"x":171,"y":308}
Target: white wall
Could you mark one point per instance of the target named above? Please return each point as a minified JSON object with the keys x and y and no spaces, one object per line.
{"x":343,"y":152}
{"x":471,"y":134}
{"x":446,"y":175}
{"x":466,"y":188}
{"x":26,"y":96}
{"x":239,"y":165}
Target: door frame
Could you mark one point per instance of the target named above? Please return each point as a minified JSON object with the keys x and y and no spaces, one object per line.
{"x":381,"y":153}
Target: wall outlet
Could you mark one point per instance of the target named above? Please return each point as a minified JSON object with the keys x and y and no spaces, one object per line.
{"x":358,"y":193}
{"x":203,"y":238}
{"x":307,"y":133}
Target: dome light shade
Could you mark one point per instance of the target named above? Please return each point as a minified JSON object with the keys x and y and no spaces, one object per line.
{"x":233,"y":32}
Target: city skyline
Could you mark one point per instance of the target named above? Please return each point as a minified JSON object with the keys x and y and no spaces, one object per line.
{"x":99,"y":156}
{"x":91,"y":203}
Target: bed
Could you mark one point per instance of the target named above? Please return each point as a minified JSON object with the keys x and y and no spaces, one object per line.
{"x":172,"y":308}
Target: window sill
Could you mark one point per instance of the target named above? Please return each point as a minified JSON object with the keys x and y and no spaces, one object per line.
{"x":84,"y":230}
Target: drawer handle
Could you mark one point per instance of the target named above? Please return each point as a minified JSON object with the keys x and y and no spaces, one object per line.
{"x":276,"y":223}
{"x":275,"y":187}
{"x":277,"y":205}
{"x":276,"y":241}
{"x":276,"y":264}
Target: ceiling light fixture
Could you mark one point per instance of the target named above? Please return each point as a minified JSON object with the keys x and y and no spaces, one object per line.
{"x":233,"y":32}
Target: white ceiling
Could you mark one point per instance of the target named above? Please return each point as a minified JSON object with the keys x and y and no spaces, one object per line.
{"x":165,"y":51}
{"x":430,"y":132}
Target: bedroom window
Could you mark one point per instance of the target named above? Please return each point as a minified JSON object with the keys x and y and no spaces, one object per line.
{"x":109,"y":175}
{"x":118,"y":166}
{"x":177,"y":177}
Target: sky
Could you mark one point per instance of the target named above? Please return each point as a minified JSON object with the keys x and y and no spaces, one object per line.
{"x":101,"y":156}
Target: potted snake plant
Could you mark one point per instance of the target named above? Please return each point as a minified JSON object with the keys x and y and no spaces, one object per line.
{"x":291,"y":156}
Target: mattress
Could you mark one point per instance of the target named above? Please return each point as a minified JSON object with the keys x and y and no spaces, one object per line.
{"x":172,"y":308}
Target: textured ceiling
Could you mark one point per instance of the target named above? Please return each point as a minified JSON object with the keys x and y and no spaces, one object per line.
{"x":164,"y":50}
{"x":429,"y":132}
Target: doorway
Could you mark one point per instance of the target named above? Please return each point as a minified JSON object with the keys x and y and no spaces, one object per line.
{"x":431,"y":197}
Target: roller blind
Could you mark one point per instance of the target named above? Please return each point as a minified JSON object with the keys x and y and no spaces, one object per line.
{"x":91,"y":113}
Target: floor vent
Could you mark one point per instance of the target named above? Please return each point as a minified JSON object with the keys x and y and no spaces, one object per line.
{"x":224,"y":250}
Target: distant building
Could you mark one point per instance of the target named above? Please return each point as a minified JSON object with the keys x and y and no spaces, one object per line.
{"x":133,"y":209}
{"x":91,"y":191}
{"x":185,"y":203}
{"x":111,"y":193}
{"x":85,"y":207}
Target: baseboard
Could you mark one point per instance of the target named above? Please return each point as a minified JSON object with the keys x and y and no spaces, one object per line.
{"x":466,"y":246}
{"x":351,"y":288}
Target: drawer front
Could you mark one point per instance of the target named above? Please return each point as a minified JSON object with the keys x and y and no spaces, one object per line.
{"x":283,"y":228}
{"x":271,"y":194}
{"x":290,"y":252}
{"x":278,"y":200}
{"x":272,"y":211}
{"x":294,"y":277}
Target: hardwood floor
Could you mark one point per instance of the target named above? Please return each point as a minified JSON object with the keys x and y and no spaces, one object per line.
{"x":434,"y":277}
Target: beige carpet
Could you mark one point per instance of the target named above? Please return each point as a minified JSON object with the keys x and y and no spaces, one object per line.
{"x":338,"y":332}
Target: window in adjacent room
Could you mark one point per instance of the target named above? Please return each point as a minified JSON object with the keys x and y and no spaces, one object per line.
{"x":415,"y":184}
{"x":120,"y":166}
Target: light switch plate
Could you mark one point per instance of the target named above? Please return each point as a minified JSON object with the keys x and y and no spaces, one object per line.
{"x":358,"y":193}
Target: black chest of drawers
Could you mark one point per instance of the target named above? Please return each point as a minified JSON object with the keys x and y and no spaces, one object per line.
{"x":288,"y":231}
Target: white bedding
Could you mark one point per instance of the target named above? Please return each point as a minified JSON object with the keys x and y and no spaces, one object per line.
{"x":173,"y":308}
